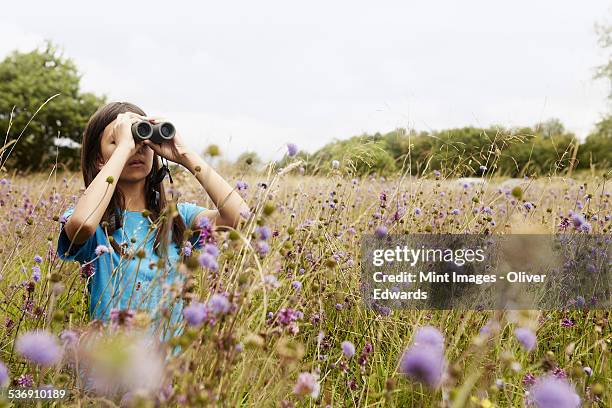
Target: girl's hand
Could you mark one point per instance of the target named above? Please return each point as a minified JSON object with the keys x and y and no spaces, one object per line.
{"x":122,"y":131}
{"x":174,"y":149}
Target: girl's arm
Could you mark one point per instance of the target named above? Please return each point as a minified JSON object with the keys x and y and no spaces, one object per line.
{"x":227,"y":200}
{"x":91,"y":206}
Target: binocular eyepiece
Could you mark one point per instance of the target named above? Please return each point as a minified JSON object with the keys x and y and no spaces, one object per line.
{"x":156,"y":132}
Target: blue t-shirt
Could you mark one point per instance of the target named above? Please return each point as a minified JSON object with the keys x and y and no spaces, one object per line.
{"x":115,"y":283}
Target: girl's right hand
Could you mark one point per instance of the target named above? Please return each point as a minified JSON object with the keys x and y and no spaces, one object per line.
{"x":122,"y":131}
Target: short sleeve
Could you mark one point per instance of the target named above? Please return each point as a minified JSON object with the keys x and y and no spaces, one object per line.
{"x":77,"y":252}
{"x":189,"y":211}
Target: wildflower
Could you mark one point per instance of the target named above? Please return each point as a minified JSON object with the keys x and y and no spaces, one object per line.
{"x":297,"y":285}
{"x":36,"y":273}
{"x":241,"y":185}
{"x":528,"y":205}
{"x":187,"y":248}
{"x":206,"y":230}
{"x":529,"y":379}
{"x":69,"y":338}
{"x":456,"y":211}
{"x":262,"y":248}
{"x":437,"y":173}
{"x":424,"y":364}
{"x":195,"y":313}
{"x":429,"y":335}
{"x":417,"y":211}
{"x":264,"y":232}
{"x":292,"y":149}
{"x":212,"y":250}
{"x":483,"y":168}
{"x":565,"y":322}
{"x":121,"y":318}
{"x":38,"y":259}
{"x":25,"y":380}
{"x":335,"y":164}
{"x":101,"y":249}
{"x":218,"y":304}
{"x":208,"y":261}
{"x":526,"y":338}
{"x":40,"y":347}
{"x":348,"y":349}
{"x":4,"y":376}
{"x":307,"y":384}
{"x":381,"y":231}
{"x":87,"y":270}
{"x":552,"y":392}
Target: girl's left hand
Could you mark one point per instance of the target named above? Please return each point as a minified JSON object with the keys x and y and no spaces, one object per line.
{"x":174,"y":149}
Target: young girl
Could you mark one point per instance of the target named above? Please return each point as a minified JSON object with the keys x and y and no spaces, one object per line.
{"x":118,"y":231}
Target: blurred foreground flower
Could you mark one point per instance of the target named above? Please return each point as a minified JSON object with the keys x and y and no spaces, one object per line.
{"x":307,"y":384}
{"x":424,"y":360}
{"x":39,"y":347}
{"x":553,"y":392}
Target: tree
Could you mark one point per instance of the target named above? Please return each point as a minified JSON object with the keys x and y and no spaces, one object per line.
{"x":29,"y":79}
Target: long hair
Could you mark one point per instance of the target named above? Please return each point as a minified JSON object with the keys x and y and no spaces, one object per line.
{"x":112,"y":219}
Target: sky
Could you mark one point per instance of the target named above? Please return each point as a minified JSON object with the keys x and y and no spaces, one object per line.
{"x":257,"y":75}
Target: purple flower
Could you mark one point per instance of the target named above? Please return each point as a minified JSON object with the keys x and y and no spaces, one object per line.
{"x":264,"y":232}
{"x":206,"y":260}
{"x":40,"y":347}
{"x":565,"y":322}
{"x":211,"y":249}
{"x":526,"y":337}
{"x":187,"y":248}
{"x":121,"y":317}
{"x":101,"y":249}
{"x":218,"y":304}
{"x":417,"y":211}
{"x":25,"y":380}
{"x":348,"y":349}
{"x":456,"y":211}
{"x":528,"y":205}
{"x":423,"y":364}
{"x":578,"y":220}
{"x":36,"y":273}
{"x":241,"y":185}
{"x":262,"y":248}
{"x":292,"y":149}
{"x":307,"y":384}
{"x":381,"y":231}
{"x":297,"y":285}
{"x":38,"y":259}
{"x":4,"y":376}
{"x":69,"y":337}
{"x":437,"y":173}
{"x":195,"y":313}
{"x":552,"y":392}
{"x":430,"y":336}
{"x":87,"y":270}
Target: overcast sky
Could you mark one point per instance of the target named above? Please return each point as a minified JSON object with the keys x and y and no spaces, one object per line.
{"x":255,"y":75}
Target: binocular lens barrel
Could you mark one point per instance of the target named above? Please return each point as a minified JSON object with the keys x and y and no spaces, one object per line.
{"x":157,"y":133}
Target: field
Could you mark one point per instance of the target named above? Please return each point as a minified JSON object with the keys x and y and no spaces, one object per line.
{"x":288,"y":326}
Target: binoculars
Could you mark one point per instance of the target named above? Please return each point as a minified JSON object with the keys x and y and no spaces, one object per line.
{"x":157,"y":133}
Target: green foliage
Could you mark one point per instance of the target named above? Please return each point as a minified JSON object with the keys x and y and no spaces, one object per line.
{"x":546,"y":149}
{"x":27,"y":80}
{"x":597,"y":148}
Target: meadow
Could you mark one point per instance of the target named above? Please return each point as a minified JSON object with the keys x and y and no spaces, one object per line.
{"x":273,"y":310}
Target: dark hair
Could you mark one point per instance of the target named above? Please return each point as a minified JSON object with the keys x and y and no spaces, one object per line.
{"x":91,"y":154}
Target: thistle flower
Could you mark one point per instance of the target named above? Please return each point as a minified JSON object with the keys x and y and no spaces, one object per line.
{"x":195,"y":313}
{"x":292,"y":149}
{"x":101,"y":249}
{"x":38,"y":259}
{"x":526,"y":338}
{"x":36,"y":273}
{"x":381,"y":231}
{"x":264,"y":232}
{"x":307,"y":384}
{"x":218,"y":304}
{"x":424,"y":364}
{"x":206,"y":260}
{"x":40,"y":347}
{"x":430,"y":336}
{"x":552,"y":392}
{"x":348,"y":349}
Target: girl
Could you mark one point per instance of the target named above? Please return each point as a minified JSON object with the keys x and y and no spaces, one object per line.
{"x":122,"y":229}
